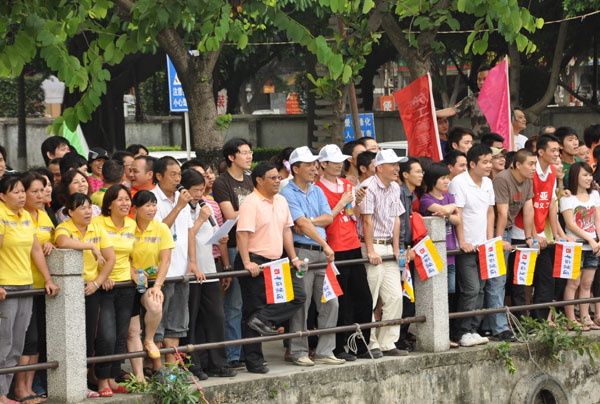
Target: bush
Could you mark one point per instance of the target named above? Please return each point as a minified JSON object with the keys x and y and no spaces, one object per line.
{"x":34,"y":97}
{"x":154,"y":95}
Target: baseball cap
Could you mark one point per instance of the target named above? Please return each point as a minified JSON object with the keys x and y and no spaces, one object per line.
{"x":387,"y":156}
{"x":496,"y":151}
{"x":332,"y":152}
{"x":96,"y":153}
{"x":303,"y":155}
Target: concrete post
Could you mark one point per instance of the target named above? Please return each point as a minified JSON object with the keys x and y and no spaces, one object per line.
{"x":431,"y":296}
{"x":65,"y":328}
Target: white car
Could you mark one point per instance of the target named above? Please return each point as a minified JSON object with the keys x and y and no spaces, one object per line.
{"x":399,"y":146}
{"x":178,"y":155}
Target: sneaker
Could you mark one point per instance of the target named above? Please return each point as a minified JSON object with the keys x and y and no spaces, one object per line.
{"x":506,"y":335}
{"x":304,"y":361}
{"x":468,"y":340}
{"x":236,"y":365}
{"x":330,"y":360}
{"x":221,"y":372}
{"x":259,"y":370}
{"x":200,"y":375}
{"x":375,"y":352}
{"x":347,"y":356}
{"x":480,"y":340}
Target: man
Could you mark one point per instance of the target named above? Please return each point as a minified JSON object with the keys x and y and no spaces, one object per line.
{"x":352,"y":148}
{"x":569,"y":142}
{"x":127,"y":159}
{"x":474,"y":194}
{"x":498,"y":161}
{"x":518,"y":125}
{"x":141,"y":175}
{"x":583,"y":152}
{"x":311,"y":214}
{"x":54,"y":147}
{"x":356,"y":302}
{"x":229,"y":190}
{"x":513,"y":191}
{"x":456,"y":162}
{"x":460,"y":138}
{"x":492,"y":139}
{"x":369,"y":143}
{"x":112,"y":172}
{"x":366,"y":165}
{"x":263,"y":231}
{"x":173,"y":210}
{"x":73,"y":161}
{"x":54,"y":167}
{"x":379,"y":230}
{"x":443,"y":125}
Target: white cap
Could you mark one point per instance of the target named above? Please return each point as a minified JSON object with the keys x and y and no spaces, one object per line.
{"x":332,"y":152}
{"x":386,"y":156}
{"x":303,"y":155}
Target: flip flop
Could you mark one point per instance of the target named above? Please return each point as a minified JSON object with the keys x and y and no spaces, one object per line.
{"x":31,"y":399}
{"x":120,"y":390}
{"x":92,"y":394}
{"x":106,"y":393}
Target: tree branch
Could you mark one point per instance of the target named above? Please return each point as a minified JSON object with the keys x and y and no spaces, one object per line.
{"x":585,"y":101}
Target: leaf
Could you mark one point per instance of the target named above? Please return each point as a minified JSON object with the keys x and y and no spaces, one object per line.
{"x":109,"y":52}
{"x":242,"y":41}
{"x":367,"y":6}
{"x":336,"y":66}
{"x":347,"y":74}
{"x":461,"y":5}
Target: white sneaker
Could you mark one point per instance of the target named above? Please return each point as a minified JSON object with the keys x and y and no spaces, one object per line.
{"x":480,"y":340}
{"x":304,"y":361}
{"x":468,"y":340}
{"x":330,"y":360}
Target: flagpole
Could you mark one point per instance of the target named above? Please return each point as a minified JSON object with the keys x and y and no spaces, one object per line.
{"x":435,"y":125}
{"x":512,"y":142}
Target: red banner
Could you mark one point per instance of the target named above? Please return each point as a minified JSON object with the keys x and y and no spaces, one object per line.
{"x":494,"y":102}
{"x":417,"y":111}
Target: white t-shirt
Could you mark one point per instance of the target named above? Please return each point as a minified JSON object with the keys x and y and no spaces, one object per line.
{"x":475,"y":202}
{"x":204,"y":257}
{"x":179,"y":230}
{"x":584,"y":214}
{"x":520,"y":142}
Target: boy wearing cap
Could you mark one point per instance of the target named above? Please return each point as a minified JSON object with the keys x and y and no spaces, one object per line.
{"x":344,"y":199}
{"x":311,"y":214}
{"x":379,"y":231}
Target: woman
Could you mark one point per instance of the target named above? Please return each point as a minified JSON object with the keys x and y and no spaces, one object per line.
{"x":79,"y":233}
{"x":437,"y":201}
{"x":35,"y":338}
{"x":19,"y":246}
{"x":71,"y":182}
{"x":581,"y":211}
{"x":47,"y":175}
{"x":152,"y":253}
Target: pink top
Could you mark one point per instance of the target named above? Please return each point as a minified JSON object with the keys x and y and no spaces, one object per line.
{"x":96,"y":184}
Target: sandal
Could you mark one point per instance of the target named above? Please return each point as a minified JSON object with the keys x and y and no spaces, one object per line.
{"x":106,"y":393}
{"x":120,"y":390}
{"x":453,"y":345}
{"x":92,"y":394}
{"x":152,"y":349}
{"x":31,"y":399}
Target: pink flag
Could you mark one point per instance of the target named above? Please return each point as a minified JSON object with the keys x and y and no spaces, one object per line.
{"x":494,"y":101}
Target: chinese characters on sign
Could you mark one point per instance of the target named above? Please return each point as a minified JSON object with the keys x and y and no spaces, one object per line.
{"x":367,"y":126}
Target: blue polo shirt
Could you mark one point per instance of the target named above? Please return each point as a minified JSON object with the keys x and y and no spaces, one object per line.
{"x":312,"y":204}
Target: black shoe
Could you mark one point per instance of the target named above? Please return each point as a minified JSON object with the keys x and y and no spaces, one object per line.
{"x":222,"y":372}
{"x":505,"y":336}
{"x":257,"y":325}
{"x":236,"y":365}
{"x":200,"y":375}
{"x":259,"y":369}
{"x":375,"y":352}
{"x":347,"y":356}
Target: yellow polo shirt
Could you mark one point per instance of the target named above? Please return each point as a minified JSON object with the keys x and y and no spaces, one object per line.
{"x":44,"y":231}
{"x":15,"y":254}
{"x":123,"y":244}
{"x":95,"y":235}
{"x":147,"y":246}
{"x":98,"y":196}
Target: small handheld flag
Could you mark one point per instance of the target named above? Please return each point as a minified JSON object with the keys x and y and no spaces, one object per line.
{"x":407,"y":287}
{"x":331,"y":287}
{"x":491,"y":259}
{"x":278,"y":281}
{"x":427,"y":260}
{"x":524,"y":266}
{"x":567,"y":260}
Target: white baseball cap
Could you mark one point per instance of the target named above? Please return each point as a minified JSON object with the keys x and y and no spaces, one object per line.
{"x":332,"y":152}
{"x":303,"y":155}
{"x":388,"y":156}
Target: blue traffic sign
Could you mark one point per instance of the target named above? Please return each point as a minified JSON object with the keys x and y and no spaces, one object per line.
{"x":177,"y":101}
{"x":367,"y":126}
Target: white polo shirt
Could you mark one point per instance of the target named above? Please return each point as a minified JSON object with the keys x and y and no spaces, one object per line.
{"x":179,"y":230}
{"x":475,"y":202}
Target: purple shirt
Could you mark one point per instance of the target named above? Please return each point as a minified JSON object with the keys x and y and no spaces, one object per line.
{"x":447,"y":198}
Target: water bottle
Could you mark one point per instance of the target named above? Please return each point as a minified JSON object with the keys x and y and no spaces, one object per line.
{"x":141,"y":278}
{"x":152,"y":270}
{"x":349,"y":209}
{"x":402,"y":261}
{"x":171,"y":381}
{"x":303,"y":268}
{"x":536,"y":245}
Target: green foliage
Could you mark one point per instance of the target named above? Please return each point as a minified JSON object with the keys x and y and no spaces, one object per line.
{"x":223,"y":121}
{"x":34,"y":97}
{"x":265,"y":153}
{"x":503,"y":352}
{"x":154,"y":95}
{"x":164,"y":148}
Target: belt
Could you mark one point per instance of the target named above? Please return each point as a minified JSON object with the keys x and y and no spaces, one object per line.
{"x":308,"y":246}
{"x":387,"y":241}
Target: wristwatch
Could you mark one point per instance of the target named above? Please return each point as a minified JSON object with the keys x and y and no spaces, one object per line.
{"x":312,"y":220}
{"x":227,"y":268}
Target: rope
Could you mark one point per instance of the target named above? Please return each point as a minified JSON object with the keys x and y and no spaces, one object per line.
{"x":180,"y":362}
{"x":521,"y":335}
{"x":352,"y":346}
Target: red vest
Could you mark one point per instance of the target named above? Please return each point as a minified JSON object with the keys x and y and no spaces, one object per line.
{"x":341,"y":234}
{"x":542,"y":197}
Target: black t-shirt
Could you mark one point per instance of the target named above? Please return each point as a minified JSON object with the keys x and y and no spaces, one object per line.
{"x":228,"y":189}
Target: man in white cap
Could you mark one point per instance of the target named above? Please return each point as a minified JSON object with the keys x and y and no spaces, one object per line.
{"x":344,"y":200}
{"x":379,"y":230}
{"x":311,"y":214}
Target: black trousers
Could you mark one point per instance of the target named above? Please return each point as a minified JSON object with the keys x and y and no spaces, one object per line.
{"x":207,"y":324}
{"x":35,"y":337}
{"x":92,"y":313}
{"x":254,"y":304}
{"x":115,"y":314}
{"x":355,"y":305}
{"x":408,"y":307}
{"x":546,"y":287}
{"x":516,"y":292}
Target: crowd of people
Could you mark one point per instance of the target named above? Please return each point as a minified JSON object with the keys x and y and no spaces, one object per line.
{"x":137,"y":218}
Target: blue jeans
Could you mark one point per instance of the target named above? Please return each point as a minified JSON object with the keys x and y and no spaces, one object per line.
{"x":232,"y":305}
{"x":494,"y":297}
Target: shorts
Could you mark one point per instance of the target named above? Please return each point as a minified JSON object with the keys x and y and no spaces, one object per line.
{"x":175,"y":314}
{"x":137,"y":303}
{"x":588,"y":260}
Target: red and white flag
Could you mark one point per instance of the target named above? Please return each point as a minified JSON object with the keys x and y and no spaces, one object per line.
{"x":417,"y":111}
{"x":494,"y":102}
{"x":331,"y":287}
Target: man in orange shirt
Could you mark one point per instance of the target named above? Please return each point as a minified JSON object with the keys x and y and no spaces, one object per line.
{"x":141,"y":174}
{"x":263,"y":231}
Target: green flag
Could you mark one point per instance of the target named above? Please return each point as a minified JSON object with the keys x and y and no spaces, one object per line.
{"x":76,"y":140}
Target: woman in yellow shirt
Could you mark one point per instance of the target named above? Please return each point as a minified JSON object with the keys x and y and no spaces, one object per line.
{"x":79,"y":233}
{"x":35,"y":338}
{"x":152,"y":253}
{"x":117,"y":304}
{"x":19,"y":246}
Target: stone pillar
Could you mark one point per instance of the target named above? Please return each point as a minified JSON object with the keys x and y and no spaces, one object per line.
{"x":65,"y":328}
{"x":431,"y":296}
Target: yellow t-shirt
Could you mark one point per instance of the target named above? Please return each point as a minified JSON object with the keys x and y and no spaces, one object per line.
{"x":44,"y":231}
{"x":15,"y":254}
{"x":96,"y":235}
{"x":98,"y":196}
{"x":147,"y":246}
{"x":123,"y":244}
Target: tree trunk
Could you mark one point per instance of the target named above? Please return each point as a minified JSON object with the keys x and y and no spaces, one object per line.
{"x":336,"y":129}
{"x":22,"y":124}
{"x":514,"y":73}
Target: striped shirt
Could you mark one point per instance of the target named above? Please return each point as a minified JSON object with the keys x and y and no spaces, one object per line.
{"x":383,"y":204}
{"x":218,"y":218}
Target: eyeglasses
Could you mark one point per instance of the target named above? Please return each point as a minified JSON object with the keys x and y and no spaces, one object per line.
{"x":275,"y":178}
{"x":246,"y":152}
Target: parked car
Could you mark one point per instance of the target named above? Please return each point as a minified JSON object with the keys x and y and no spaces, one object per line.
{"x":399,"y":146}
